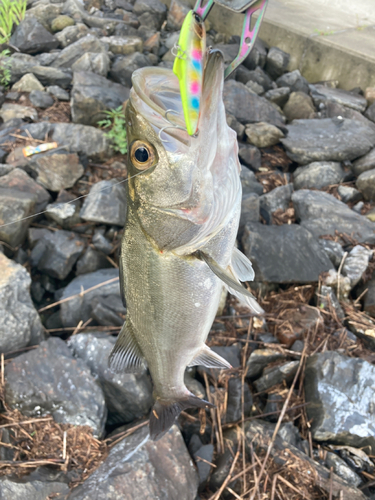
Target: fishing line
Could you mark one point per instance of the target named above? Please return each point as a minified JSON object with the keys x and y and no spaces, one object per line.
{"x":75,"y":199}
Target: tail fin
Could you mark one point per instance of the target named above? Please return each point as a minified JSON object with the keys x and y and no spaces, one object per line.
{"x":163,"y":415}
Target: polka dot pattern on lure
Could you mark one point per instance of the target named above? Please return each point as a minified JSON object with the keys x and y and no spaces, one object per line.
{"x":188,"y":67}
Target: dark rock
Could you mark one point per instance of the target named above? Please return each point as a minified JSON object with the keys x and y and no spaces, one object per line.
{"x":58,"y":92}
{"x":276,"y":375}
{"x":106,"y":203}
{"x":366,"y":162}
{"x":12,"y":488}
{"x":92,"y":95}
{"x":299,"y":106}
{"x":57,"y":171}
{"x":151,"y":13}
{"x":336,"y":110}
{"x":201,"y":457}
{"x":46,"y":59}
{"x":3,"y":155}
{"x":229,"y":51}
{"x":234,"y":403}
{"x":260,"y":77}
{"x":334,"y":251}
{"x":278,"y":96}
{"x":276,"y":199}
{"x":369,"y":302}
{"x":247,"y":107}
{"x":15,"y":206}
{"x":294,"y":81}
{"x":322,"y":214}
{"x":52,"y":76}
{"x":101,"y":243}
{"x":318,"y":175}
{"x":277,"y":62}
{"x":249,"y":210}
{"x":2,"y":98}
{"x":250,"y":155}
{"x":340,"y":396}
{"x":128,"y":396}
{"x":327,"y":300}
{"x":259,"y":359}
{"x":366,"y":184}
{"x":5,"y":169}
{"x":220,"y":473}
{"x":370,"y":112}
{"x":274,"y":406}
{"x":263,"y":135}
{"x":124,"y":66}
{"x":298,"y":346}
{"x":139,"y":468}
{"x":108,"y":310}
{"x":40,"y":99}
{"x":284,"y":254}
{"x":56,"y":253}
{"x":249,"y":182}
{"x":47,"y":380}
{"x":257,"y":56}
{"x":79,"y":308}
{"x":322,"y":95}
{"x":31,"y":37}
{"x":71,"y":34}
{"x":349,"y":194}
{"x":19,"y":322}
{"x":92,"y":62}
{"x":341,"y":468}
{"x":68,"y":56}
{"x":235,"y":125}
{"x":91,"y":261}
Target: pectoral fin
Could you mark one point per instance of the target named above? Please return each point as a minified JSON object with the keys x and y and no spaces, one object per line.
{"x":126,"y":356}
{"x":241,"y":266}
{"x":208,"y":358}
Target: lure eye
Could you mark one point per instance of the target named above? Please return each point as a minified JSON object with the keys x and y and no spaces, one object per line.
{"x":142,"y":155}
{"x":197,"y":18}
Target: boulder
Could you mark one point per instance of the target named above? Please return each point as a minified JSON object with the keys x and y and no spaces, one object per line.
{"x":91,"y":261}
{"x":71,"y":53}
{"x":366,"y":162}
{"x":276,"y":199}
{"x":278,"y":96}
{"x":61,"y":22}
{"x":28,"y":83}
{"x":151,"y":13}
{"x":105,"y":204}
{"x":370,"y":112}
{"x":249,"y":182}
{"x":18,"y":180}
{"x":299,"y":106}
{"x":41,"y":99}
{"x":294,"y":81}
{"x":356,"y":263}
{"x":10,"y":111}
{"x":31,"y":37}
{"x":277,"y":62}
{"x":58,"y":92}
{"x":263,"y":135}
{"x":250,"y":155}
{"x":318,"y":175}
{"x":57,"y":171}
{"x":124,"y":66}
{"x":322,"y":95}
{"x":275,"y":375}
{"x":366,"y":184}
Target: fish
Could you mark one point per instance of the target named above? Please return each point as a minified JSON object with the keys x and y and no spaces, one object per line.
{"x":179,"y":243}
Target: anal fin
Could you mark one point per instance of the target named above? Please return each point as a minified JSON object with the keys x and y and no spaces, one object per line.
{"x":208,"y":358}
{"x":126,"y":356}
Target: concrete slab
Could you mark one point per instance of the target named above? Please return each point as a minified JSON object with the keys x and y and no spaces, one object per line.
{"x":327,"y":39}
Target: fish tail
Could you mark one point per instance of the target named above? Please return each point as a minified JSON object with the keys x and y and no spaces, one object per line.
{"x":164,"y":414}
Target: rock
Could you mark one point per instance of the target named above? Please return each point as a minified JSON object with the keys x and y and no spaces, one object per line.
{"x":127,"y":396}
{"x":18,"y":180}
{"x":259,"y":359}
{"x":106,"y":203}
{"x":335,"y":110}
{"x":340,"y":396}
{"x":370,"y":94}
{"x":28,"y":83}
{"x":277,"y":62}
{"x":275,"y":375}
{"x":284,"y":254}
{"x":56,"y":253}
{"x":223,"y":465}
{"x":124,"y":66}
{"x":151,"y":13}
{"x":263,"y":135}
{"x":73,"y":52}
{"x":91,"y":261}
{"x":92,"y":95}
{"x":11,"y":111}
{"x":257,"y":56}
{"x":123,"y":45}
{"x":340,"y":467}
{"x":5,"y":169}
{"x":57,"y":171}
{"x":249,"y":210}
{"x":152,"y":44}
{"x":61,"y":22}
{"x":52,"y":76}
{"x":250,"y":155}
{"x":318,"y":175}
{"x":356,"y":263}
{"x":234,"y":403}
{"x":37,"y":489}
{"x":328,"y":139}
{"x":255,"y":87}
{"x":370,"y":112}
{"x":101,"y":243}
{"x":349,"y":194}
{"x":321,"y":95}
{"x":257,"y":76}
{"x":278,"y":96}
{"x":64,"y":214}
{"x":277,"y":199}
{"x":302,"y":319}
{"x":80,"y":308}
{"x":19,"y":322}
{"x":322,"y":214}
{"x":41,"y":99}
{"x":235,"y":125}
{"x":366,"y":184}
{"x":201,"y":457}
{"x":137,"y":468}
{"x":327,"y":300}
{"x":31,"y":37}
{"x":366,"y":162}
{"x":71,"y":34}
{"x":108,"y":311}
{"x":58,"y":92}
{"x":334,"y":251}
{"x":176,"y":15}
{"x":248,"y":107}
{"x":294,"y":81}
{"x":47,"y":380}
{"x":299,"y":106}
{"x":14,"y":208}
{"x":93,"y":63}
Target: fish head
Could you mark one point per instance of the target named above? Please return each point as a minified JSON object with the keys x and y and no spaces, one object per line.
{"x":182,"y":187}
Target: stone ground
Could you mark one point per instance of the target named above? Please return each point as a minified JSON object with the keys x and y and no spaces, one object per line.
{"x":294,"y":417}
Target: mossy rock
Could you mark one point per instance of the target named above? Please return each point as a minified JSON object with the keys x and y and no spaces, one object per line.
{"x":61,"y":22}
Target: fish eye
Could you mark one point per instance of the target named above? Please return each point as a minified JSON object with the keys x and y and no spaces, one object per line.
{"x":142,"y":155}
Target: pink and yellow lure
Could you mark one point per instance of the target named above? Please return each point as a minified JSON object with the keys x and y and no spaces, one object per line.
{"x":188,"y":67}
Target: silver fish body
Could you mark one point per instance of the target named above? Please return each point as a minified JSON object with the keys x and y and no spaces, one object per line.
{"x":178,"y":248}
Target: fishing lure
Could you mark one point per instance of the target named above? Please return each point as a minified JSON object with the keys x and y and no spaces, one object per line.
{"x":188,"y":67}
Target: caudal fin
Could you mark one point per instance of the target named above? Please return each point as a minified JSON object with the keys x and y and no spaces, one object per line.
{"x":163,"y":415}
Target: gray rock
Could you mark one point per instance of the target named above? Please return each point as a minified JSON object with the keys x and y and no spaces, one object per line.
{"x":71,"y":34}
{"x":52,"y":76}
{"x":92,"y":62}
{"x":299,"y":106}
{"x":284,"y":254}
{"x":249,"y":210}
{"x":356,"y":263}
{"x":327,"y":299}
{"x":322,"y":214}
{"x":255,"y":87}
{"x":250,"y":155}
{"x":91,"y":261}
{"x":176,"y":15}
{"x":123,"y":45}
{"x":336,"y":110}
{"x":366,"y":184}
{"x":349,"y":194}
{"x":328,"y":139}
{"x":58,"y":92}
{"x":340,"y":396}
{"x":15,"y":206}
{"x":366,"y":162}
{"x":65,"y":211}
{"x":223,"y":465}
{"x":318,"y":175}
{"x":206,"y":453}
{"x":41,"y":99}
{"x":258,"y":76}
{"x":234,"y":402}
{"x":5,"y":169}
{"x":128,"y":396}
{"x":341,"y":468}
{"x":263,"y":135}
{"x":124,"y":66}
{"x":276,"y":199}
{"x":334,"y":251}
{"x":80,"y":307}
{"x":151,"y":13}
{"x":92,"y":95}
{"x":28,"y":83}
{"x":370,"y":112}
{"x":248,"y":107}
{"x":322,"y":95}
{"x":57,"y":171}
{"x":257,"y":56}
{"x":277,"y":62}
{"x":27,"y":488}
{"x":106,"y":203}
{"x":31,"y":37}
{"x":294,"y":81}
{"x":61,"y":22}
{"x":19,"y":322}
{"x":259,"y":359}
{"x":139,"y":468}
{"x":236,"y":126}
{"x":101,"y":243}
{"x":276,"y":375}
{"x":10,"y":111}
{"x":73,"y":52}
{"x":278,"y":96}
{"x":47,"y":380}
{"x":249,"y":182}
